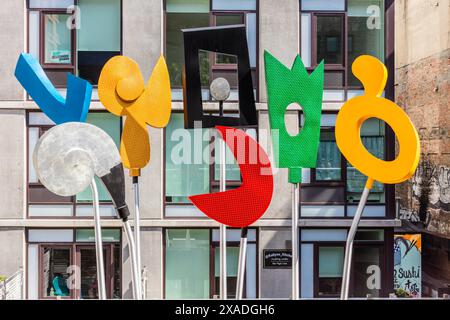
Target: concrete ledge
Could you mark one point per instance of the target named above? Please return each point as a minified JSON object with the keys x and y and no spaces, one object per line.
{"x":205,"y":223}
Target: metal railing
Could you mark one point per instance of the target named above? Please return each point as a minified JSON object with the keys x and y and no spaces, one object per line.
{"x":12,"y":287}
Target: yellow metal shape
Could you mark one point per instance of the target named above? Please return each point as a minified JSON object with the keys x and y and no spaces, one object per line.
{"x":373,"y":75}
{"x":122,"y":91}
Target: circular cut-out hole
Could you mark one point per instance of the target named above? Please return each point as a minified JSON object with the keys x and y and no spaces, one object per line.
{"x":293,"y":128}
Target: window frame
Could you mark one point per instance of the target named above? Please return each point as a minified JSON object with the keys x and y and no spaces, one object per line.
{"x":74,"y":260}
{"x":338,"y":184}
{"x":212,"y":246}
{"x":213,"y":183}
{"x":212,"y":57}
{"x":345,"y":88}
{"x":73,"y":67}
{"x":382,"y":245}
{"x":34,"y":185}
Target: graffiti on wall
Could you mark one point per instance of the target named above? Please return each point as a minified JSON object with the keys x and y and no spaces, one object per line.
{"x":408,"y":265}
{"x":432,"y":182}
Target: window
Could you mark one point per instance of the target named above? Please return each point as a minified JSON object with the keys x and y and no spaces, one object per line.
{"x":328,"y":158}
{"x":331,"y":261}
{"x":72,"y":39}
{"x":322,"y":253}
{"x":192,"y":161}
{"x":62,"y":263}
{"x":192,"y":263}
{"x":365,"y":32}
{"x":187,"y":264}
{"x":338,"y":32}
{"x":204,"y":13}
{"x":373,"y":138}
{"x":43,"y":203}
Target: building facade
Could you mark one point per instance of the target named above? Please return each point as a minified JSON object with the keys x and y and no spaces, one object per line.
{"x":422,"y":89}
{"x":51,"y":237}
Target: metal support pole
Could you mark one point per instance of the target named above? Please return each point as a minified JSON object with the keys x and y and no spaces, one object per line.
{"x":137,"y":228}
{"x":131,"y":244}
{"x":349,"y":245}
{"x":98,"y":243}
{"x":295,"y":262}
{"x":241,"y":265}
{"x":223,"y":228}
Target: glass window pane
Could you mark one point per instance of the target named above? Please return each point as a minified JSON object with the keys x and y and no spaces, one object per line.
{"x":174,"y":40}
{"x":50,"y":235}
{"x":225,"y":20}
{"x":88,"y":274}
{"x":232,"y":266}
{"x":33,"y":34}
{"x":100,"y":25}
{"x":33,"y":137}
{"x":111,"y":125}
{"x":328,"y":158}
{"x":88,"y":235}
{"x":55,"y":262}
{"x":372,"y":137}
{"x":50,"y":4}
{"x":187,"y":170}
{"x":306,"y":46}
{"x":323,"y":5}
{"x":365,"y":32}
{"x":187,"y":264}
{"x":98,"y":36}
{"x":251,"y":39}
{"x":329,"y":39}
{"x":363,"y":258}
{"x":57,"y":39}
{"x":331,"y":261}
{"x":234,"y":4}
{"x":187,"y":6}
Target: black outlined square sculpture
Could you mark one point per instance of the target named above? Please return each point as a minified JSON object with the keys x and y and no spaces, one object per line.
{"x":231,"y":40}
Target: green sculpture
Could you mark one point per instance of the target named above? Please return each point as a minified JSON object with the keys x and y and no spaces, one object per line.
{"x":295,"y":85}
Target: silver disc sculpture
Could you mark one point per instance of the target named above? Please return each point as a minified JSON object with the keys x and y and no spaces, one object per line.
{"x":67,"y":158}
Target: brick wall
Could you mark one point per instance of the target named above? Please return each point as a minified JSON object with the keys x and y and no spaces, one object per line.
{"x":423,"y":91}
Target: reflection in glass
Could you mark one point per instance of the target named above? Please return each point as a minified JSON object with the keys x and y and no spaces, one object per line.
{"x":328,"y":158}
{"x":331,"y":261}
{"x":365,"y":32}
{"x":365,"y":272}
{"x":329,"y":39}
{"x":187,"y":172}
{"x":372,"y":137}
{"x":187,"y":264}
{"x":88,"y":267}
{"x":232,"y":267}
{"x":57,"y":39}
{"x":174,"y":40}
{"x":55,"y":262}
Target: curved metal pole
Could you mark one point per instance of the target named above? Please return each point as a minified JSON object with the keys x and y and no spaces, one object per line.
{"x":135,"y":280}
{"x":137,"y":229}
{"x":241,"y":265}
{"x":345,"y":288}
{"x":98,"y":243}
{"x":295,"y":262}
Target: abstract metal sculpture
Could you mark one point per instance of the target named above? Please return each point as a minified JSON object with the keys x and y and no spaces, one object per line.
{"x":66,"y":159}
{"x":241,"y":207}
{"x":373,"y":75}
{"x":34,"y":80}
{"x":231,"y":40}
{"x":284,"y":87}
{"x":122,"y":91}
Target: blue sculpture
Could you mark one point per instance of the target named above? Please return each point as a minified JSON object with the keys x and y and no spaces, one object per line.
{"x":34,"y":80}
